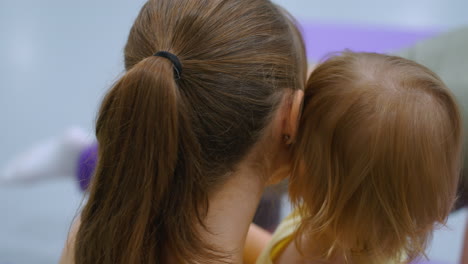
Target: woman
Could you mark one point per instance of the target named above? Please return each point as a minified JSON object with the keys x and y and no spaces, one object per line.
{"x":190,"y":135}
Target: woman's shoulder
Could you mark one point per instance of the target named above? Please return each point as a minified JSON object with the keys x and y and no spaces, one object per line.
{"x":69,"y":248}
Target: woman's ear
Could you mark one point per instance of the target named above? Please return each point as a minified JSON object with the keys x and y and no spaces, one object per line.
{"x":283,"y":133}
{"x":292,"y":116}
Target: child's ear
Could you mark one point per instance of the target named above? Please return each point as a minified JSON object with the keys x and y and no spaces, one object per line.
{"x":292,"y":118}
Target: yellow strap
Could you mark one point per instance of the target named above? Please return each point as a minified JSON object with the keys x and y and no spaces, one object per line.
{"x":279,"y":247}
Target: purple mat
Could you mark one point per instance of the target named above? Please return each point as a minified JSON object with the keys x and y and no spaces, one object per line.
{"x":321,"y":39}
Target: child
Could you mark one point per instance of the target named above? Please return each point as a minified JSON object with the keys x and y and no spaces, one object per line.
{"x":375,"y":165}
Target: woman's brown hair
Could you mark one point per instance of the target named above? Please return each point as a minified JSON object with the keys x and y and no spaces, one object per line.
{"x":166,"y":143}
{"x":377,"y":159}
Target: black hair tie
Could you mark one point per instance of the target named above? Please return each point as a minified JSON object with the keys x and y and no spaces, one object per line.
{"x":175,"y":61}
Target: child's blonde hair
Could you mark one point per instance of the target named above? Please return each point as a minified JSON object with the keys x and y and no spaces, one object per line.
{"x":376,"y":159}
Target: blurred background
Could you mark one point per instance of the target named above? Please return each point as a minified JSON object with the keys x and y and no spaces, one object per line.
{"x":58,"y":57}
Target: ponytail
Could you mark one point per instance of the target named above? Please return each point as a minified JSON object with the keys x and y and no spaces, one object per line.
{"x":130,"y":218}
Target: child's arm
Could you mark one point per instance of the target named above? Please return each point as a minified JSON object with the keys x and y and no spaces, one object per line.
{"x":257,"y":239}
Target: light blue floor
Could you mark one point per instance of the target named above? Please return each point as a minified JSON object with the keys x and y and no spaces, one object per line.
{"x":58,"y":57}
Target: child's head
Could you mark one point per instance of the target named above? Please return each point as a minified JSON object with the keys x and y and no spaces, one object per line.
{"x":377,"y":156}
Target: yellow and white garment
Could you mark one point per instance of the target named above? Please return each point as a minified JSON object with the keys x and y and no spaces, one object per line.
{"x":280,"y":240}
{"x":284,"y":235}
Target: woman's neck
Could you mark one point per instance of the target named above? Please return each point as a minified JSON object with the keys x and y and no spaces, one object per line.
{"x":231,"y":210}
